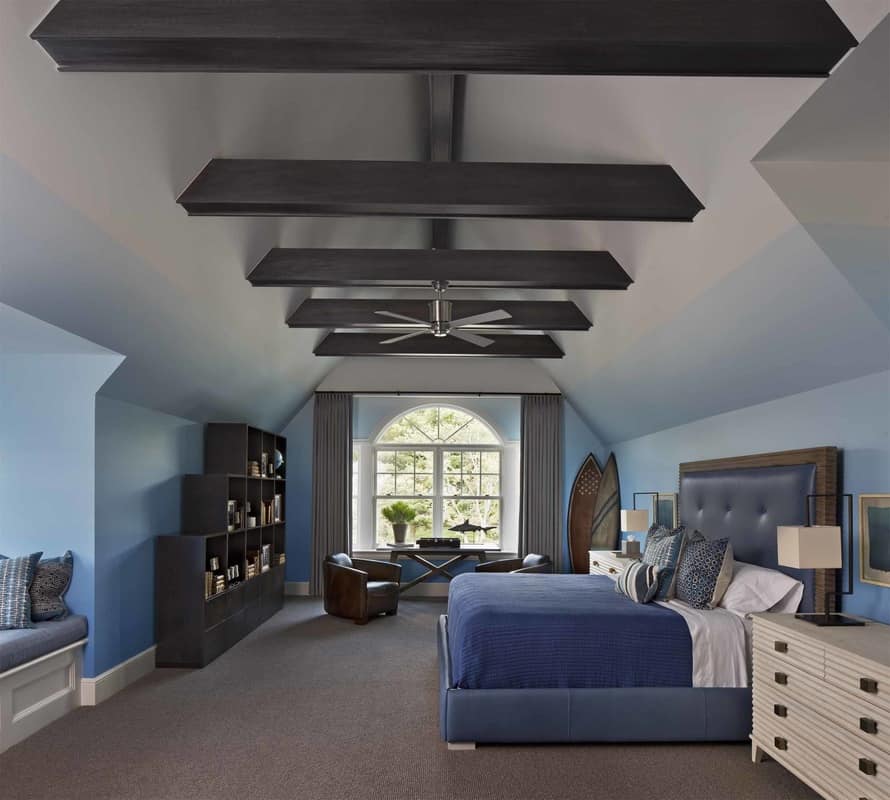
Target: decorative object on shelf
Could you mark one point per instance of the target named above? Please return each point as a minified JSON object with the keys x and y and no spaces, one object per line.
{"x":278,"y":462}
{"x":208,"y":584}
{"x":251,"y":522}
{"x":581,"y":503}
{"x":400,"y":515}
{"x":604,"y":532}
{"x":253,"y":469}
{"x":266,"y":558}
{"x":819,"y":547}
{"x":439,"y":541}
{"x":874,"y":539}
{"x":276,"y":513}
{"x":231,"y":512}
{"x":264,"y":463}
{"x":214,"y":564}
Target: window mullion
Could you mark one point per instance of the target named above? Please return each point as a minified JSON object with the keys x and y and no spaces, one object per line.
{"x":438,"y":491}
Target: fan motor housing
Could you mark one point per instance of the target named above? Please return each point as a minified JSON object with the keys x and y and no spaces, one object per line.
{"x":440,"y":317}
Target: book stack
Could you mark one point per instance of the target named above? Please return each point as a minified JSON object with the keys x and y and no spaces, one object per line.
{"x":279,"y":558}
{"x":267,"y":512}
{"x":253,"y":469}
{"x":219,"y":584}
{"x":208,"y":584}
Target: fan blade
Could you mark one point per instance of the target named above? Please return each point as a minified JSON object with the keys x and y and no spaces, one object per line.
{"x":403,"y":337}
{"x":393,"y":314}
{"x":481,"y":319}
{"x":472,"y":338}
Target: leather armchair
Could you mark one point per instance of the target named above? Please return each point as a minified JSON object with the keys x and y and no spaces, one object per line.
{"x":531,"y":563}
{"x":358,"y":589}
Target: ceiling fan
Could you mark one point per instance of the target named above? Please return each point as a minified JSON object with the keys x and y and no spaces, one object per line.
{"x":440,"y":323}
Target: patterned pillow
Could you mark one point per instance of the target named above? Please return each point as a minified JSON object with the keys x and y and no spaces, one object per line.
{"x":663,"y":550}
{"x":705,"y":571}
{"x":51,"y":582}
{"x":16,"y":575}
{"x":639,"y":582}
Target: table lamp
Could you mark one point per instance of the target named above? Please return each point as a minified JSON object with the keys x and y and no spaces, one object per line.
{"x":817,"y":547}
{"x":633,"y":520}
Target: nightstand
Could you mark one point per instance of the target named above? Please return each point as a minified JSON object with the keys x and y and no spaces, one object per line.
{"x":822,"y":704}
{"x":606,"y":562}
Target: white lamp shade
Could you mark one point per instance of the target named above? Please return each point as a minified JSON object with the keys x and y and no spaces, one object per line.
{"x":634,"y":519}
{"x":813,"y":547}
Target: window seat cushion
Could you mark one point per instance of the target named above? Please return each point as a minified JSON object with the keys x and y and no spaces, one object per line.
{"x":22,"y":645}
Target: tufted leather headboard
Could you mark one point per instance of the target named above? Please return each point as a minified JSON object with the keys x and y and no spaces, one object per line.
{"x":746,"y":498}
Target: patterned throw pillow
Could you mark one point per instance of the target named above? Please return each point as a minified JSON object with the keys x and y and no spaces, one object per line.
{"x":639,"y":582}
{"x":705,"y":571}
{"x":51,"y":582}
{"x":663,"y":549}
{"x":16,"y":575}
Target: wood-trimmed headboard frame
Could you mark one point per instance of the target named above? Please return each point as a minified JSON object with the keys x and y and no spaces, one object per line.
{"x":825,"y":461}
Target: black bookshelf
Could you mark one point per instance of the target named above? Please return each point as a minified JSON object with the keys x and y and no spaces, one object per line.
{"x":224,"y":575}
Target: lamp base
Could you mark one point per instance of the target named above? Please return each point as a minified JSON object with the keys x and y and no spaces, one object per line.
{"x":829,"y":620}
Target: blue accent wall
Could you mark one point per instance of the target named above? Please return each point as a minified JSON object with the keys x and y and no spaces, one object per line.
{"x":853,"y":415}
{"x":141,"y":456}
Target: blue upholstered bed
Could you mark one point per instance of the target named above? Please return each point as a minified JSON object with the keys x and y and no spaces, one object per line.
{"x":563,"y":658}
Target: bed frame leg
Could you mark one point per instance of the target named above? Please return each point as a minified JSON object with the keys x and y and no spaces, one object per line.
{"x":461,"y":745}
{"x":758,"y":754}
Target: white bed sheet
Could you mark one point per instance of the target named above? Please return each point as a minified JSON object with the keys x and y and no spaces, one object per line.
{"x":720,"y":645}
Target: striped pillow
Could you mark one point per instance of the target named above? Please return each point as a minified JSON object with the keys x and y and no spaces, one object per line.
{"x":16,"y":575}
{"x":639,"y":582}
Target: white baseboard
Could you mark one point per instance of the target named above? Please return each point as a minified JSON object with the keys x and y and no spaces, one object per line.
{"x":296,"y":588}
{"x":96,"y":690}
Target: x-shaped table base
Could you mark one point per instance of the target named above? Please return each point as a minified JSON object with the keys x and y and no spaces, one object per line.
{"x":433,"y":569}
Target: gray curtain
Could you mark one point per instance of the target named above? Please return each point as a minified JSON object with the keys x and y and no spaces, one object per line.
{"x":540,"y":482}
{"x":331,"y":481}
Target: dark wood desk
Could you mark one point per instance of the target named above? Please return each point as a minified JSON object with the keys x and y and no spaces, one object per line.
{"x":421,"y":555}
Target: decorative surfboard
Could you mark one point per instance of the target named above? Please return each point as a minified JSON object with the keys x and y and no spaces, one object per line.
{"x":605,"y":529}
{"x":581,"y":502}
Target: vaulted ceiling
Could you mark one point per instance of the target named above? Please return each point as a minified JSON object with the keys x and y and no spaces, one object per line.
{"x":752,"y":300}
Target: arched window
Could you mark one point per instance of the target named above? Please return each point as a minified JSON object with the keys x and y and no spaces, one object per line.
{"x":447,"y":464}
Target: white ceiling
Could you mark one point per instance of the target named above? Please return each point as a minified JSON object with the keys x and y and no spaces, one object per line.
{"x":91,"y":238}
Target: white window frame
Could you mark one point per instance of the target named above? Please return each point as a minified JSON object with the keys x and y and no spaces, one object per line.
{"x":365,"y":538}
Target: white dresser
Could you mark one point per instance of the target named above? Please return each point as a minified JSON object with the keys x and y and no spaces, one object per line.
{"x":822,"y":704}
{"x":605,"y":562}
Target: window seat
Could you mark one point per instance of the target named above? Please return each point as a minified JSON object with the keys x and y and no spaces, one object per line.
{"x":40,"y":673}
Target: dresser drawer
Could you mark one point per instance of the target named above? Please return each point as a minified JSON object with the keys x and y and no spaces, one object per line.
{"x":789,"y":647}
{"x":601,"y":564}
{"x":860,"y":678}
{"x":780,"y":714}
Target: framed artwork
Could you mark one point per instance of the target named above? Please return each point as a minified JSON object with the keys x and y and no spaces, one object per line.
{"x":665,"y":509}
{"x":874,"y":539}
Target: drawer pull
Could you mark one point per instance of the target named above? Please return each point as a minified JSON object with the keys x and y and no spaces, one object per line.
{"x":595,"y":563}
{"x":781,"y":647}
{"x":782,"y":678}
{"x":782,"y":744}
{"x":868,"y":685}
{"x":868,"y":766}
{"x":868,"y":725}
{"x":780,"y":711}
{"x":613,"y":570}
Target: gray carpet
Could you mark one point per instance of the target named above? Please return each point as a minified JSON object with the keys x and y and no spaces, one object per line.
{"x":316,"y":708}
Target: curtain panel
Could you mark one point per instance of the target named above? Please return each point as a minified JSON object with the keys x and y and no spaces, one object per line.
{"x":540,"y":482}
{"x":331,"y":481}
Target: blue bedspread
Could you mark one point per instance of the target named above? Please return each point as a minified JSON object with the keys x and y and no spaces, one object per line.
{"x":561,"y":631}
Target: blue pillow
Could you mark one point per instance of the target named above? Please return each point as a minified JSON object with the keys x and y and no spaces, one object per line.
{"x":705,"y":571}
{"x":663,"y":550}
{"x":16,"y":575}
{"x":639,"y":582}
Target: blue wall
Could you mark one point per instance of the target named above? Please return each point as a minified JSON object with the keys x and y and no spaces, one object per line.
{"x":141,"y":456}
{"x":48,"y":384}
{"x":853,"y":415}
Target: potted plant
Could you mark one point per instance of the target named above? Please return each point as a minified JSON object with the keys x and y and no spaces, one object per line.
{"x":400,"y":515}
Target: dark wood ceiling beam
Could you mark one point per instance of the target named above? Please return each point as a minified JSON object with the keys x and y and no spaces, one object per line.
{"x":530,"y":315}
{"x":519,"y":269}
{"x":570,"y":37}
{"x":503,"y":346}
{"x":446,"y":96}
{"x":270,"y":187}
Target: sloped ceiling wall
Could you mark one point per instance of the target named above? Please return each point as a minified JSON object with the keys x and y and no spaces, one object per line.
{"x":735,"y":308}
